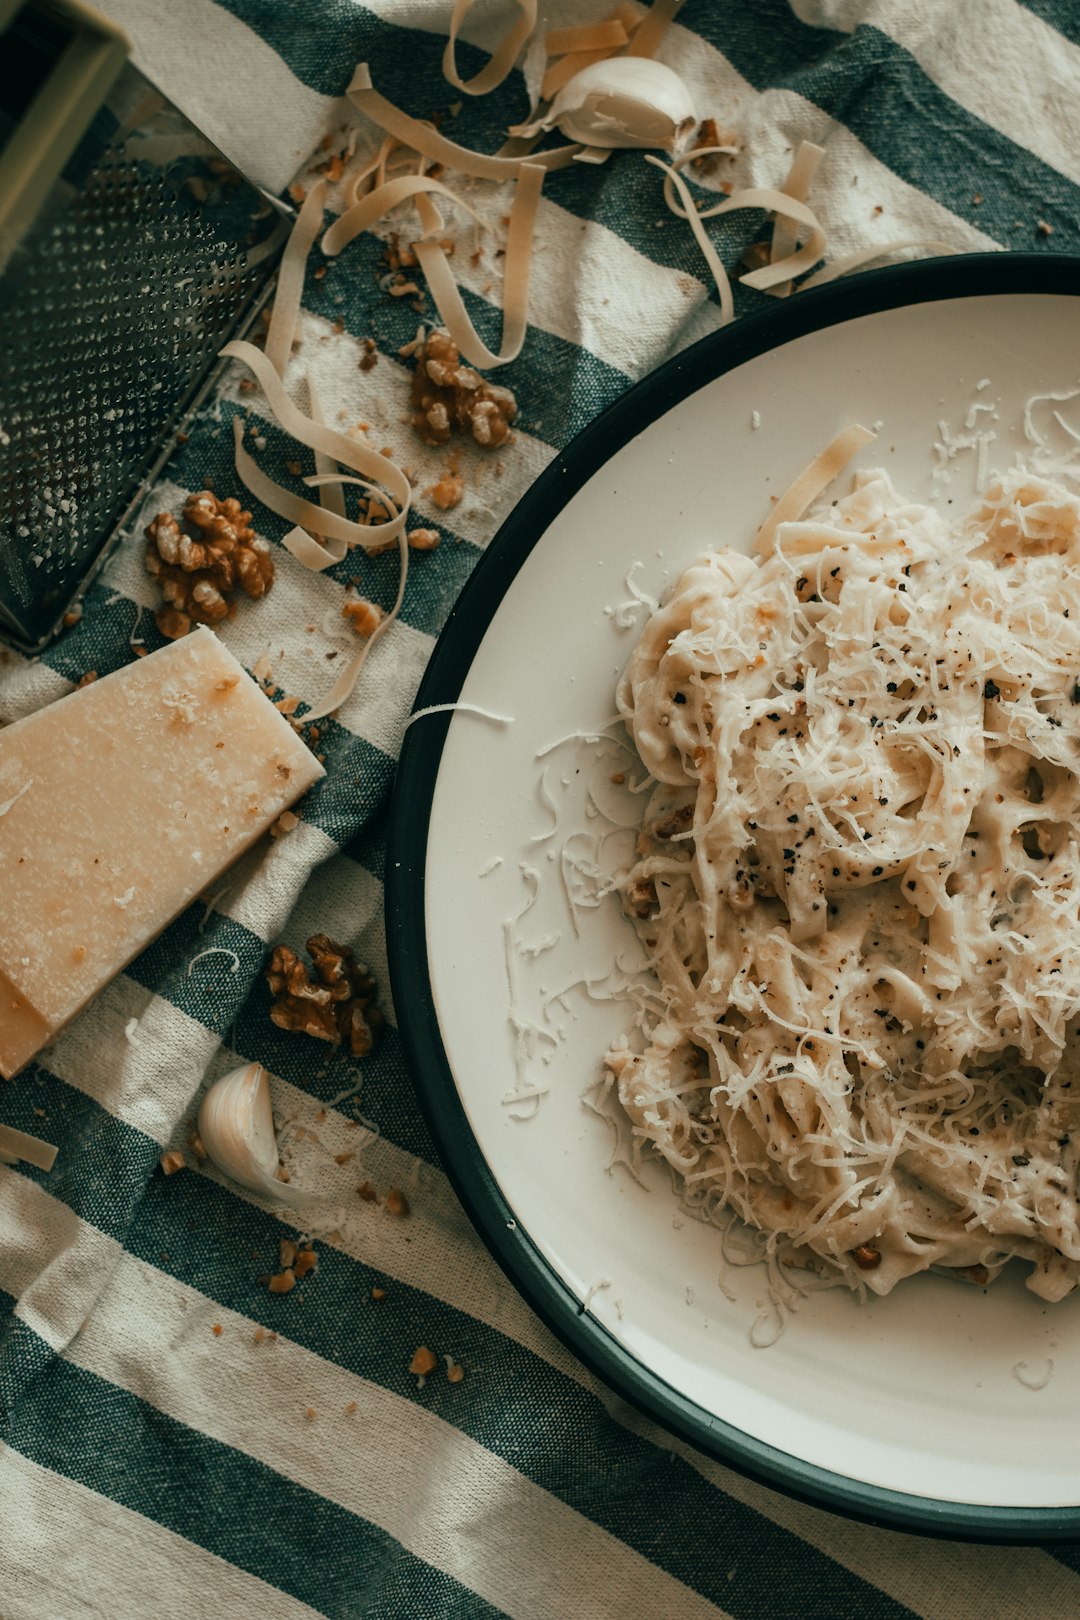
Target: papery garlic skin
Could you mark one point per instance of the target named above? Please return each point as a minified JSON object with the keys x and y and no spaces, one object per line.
{"x":236,"y":1124}
{"x":625,"y":101}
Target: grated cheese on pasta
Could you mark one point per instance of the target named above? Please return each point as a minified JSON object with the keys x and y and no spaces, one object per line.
{"x":858,"y":885}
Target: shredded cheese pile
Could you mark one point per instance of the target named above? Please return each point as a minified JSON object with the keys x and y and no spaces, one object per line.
{"x":858,"y":886}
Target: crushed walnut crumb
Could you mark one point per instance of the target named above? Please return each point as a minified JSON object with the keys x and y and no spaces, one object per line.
{"x":378,"y":1293}
{"x":217,"y":1330}
{"x":287,"y":1252}
{"x":286,"y":823}
{"x":306,"y":1261}
{"x":86,"y":680}
{"x":350,"y":1408}
{"x":172,"y":1161}
{"x":757,"y":255}
{"x":283,"y":1282}
{"x":337,"y":1004}
{"x":449,"y":490}
{"x":449,"y":397}
{"x":367,"y":1192}
{"x":423,"y":539}
{"x":424,"y":1361}
{"x":709,"y":133}
{"x":199,"y":568}
{"x":396,"y":1203}
{"x":369,"y":357}
{"x":398,"y":255}
{"x":362,"y":616}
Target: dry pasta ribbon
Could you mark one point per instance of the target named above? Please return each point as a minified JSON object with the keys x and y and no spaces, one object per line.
{"x":800,"y":177}
{"x":444,"y":289}
{"x":652,"y":28}
{"x":502,"y":58}
{"x":599,"y":36}
{"x":865,"y":256}
{"x":297,"y":510}
{"x":673,"y":179}
{"x":290,"y":283}
{"x":436,"y":147}
{"x":343,"y":685}
{"x":316,"y":435}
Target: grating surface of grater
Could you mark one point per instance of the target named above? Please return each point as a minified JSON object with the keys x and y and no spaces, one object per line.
{"x":150,"y":253}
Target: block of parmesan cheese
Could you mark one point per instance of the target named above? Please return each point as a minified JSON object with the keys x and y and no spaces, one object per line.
{"x":118,"y":805}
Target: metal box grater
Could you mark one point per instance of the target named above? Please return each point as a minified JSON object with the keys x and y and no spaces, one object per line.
{"x":130,"y":252}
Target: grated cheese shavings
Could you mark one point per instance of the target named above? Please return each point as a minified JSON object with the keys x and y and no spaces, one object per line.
{"x":215,"y":950}
{"x":460,"y":708}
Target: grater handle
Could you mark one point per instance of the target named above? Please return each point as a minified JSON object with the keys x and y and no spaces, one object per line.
{"x":60,"y":113}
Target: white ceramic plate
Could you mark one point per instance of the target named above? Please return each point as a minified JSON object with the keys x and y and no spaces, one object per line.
{"x":915,"y":1409}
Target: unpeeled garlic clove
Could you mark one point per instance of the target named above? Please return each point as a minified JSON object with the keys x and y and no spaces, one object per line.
{"x":624,"y":101}
{"x":236,"y":1124}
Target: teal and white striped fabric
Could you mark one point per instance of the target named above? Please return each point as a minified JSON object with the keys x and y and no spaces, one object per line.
{"x":153,"y":1465}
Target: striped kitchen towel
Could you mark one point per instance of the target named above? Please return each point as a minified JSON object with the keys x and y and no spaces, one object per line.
{"x":176,"y":1440}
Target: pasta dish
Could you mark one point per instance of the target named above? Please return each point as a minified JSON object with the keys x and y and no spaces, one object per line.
{"x":857,"y":884}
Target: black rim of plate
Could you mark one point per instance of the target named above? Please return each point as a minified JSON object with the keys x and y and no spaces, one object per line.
{"x":968,"y":275}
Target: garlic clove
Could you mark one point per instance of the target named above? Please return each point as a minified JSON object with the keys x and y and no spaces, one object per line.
{"x":236,"y":1124}
{"x":625,"y":101}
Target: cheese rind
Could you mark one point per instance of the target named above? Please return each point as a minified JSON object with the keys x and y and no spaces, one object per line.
{"x":118,"y":805}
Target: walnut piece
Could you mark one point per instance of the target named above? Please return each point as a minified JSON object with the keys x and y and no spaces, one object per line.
{"x":709,"y":133}
{"x":424,"y":1361}
{"x":447,"y":493}
{"x":334,"y":1001}
{"x":423,"y":539}
{"x":362,"y":616}
{"x":451,"y":398}
{"x":396,"y":1203}
{"x":198,"y":568}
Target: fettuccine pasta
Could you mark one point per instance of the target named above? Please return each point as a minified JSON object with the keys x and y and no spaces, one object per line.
{"x":858,"y":886}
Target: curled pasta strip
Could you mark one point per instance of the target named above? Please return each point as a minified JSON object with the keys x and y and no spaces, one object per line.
{"x":502,"y":58}
{"x":290,"y":284}
{"x":439,"y":148}
{"x":316,"y":519}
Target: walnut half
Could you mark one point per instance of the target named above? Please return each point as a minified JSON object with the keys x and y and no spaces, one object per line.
{"x":334,"y":1001}
{"x":200,"y":566}
{"x":451,"y":398}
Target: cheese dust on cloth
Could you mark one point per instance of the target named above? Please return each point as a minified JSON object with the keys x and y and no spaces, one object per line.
{"x":207,"y":1409}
